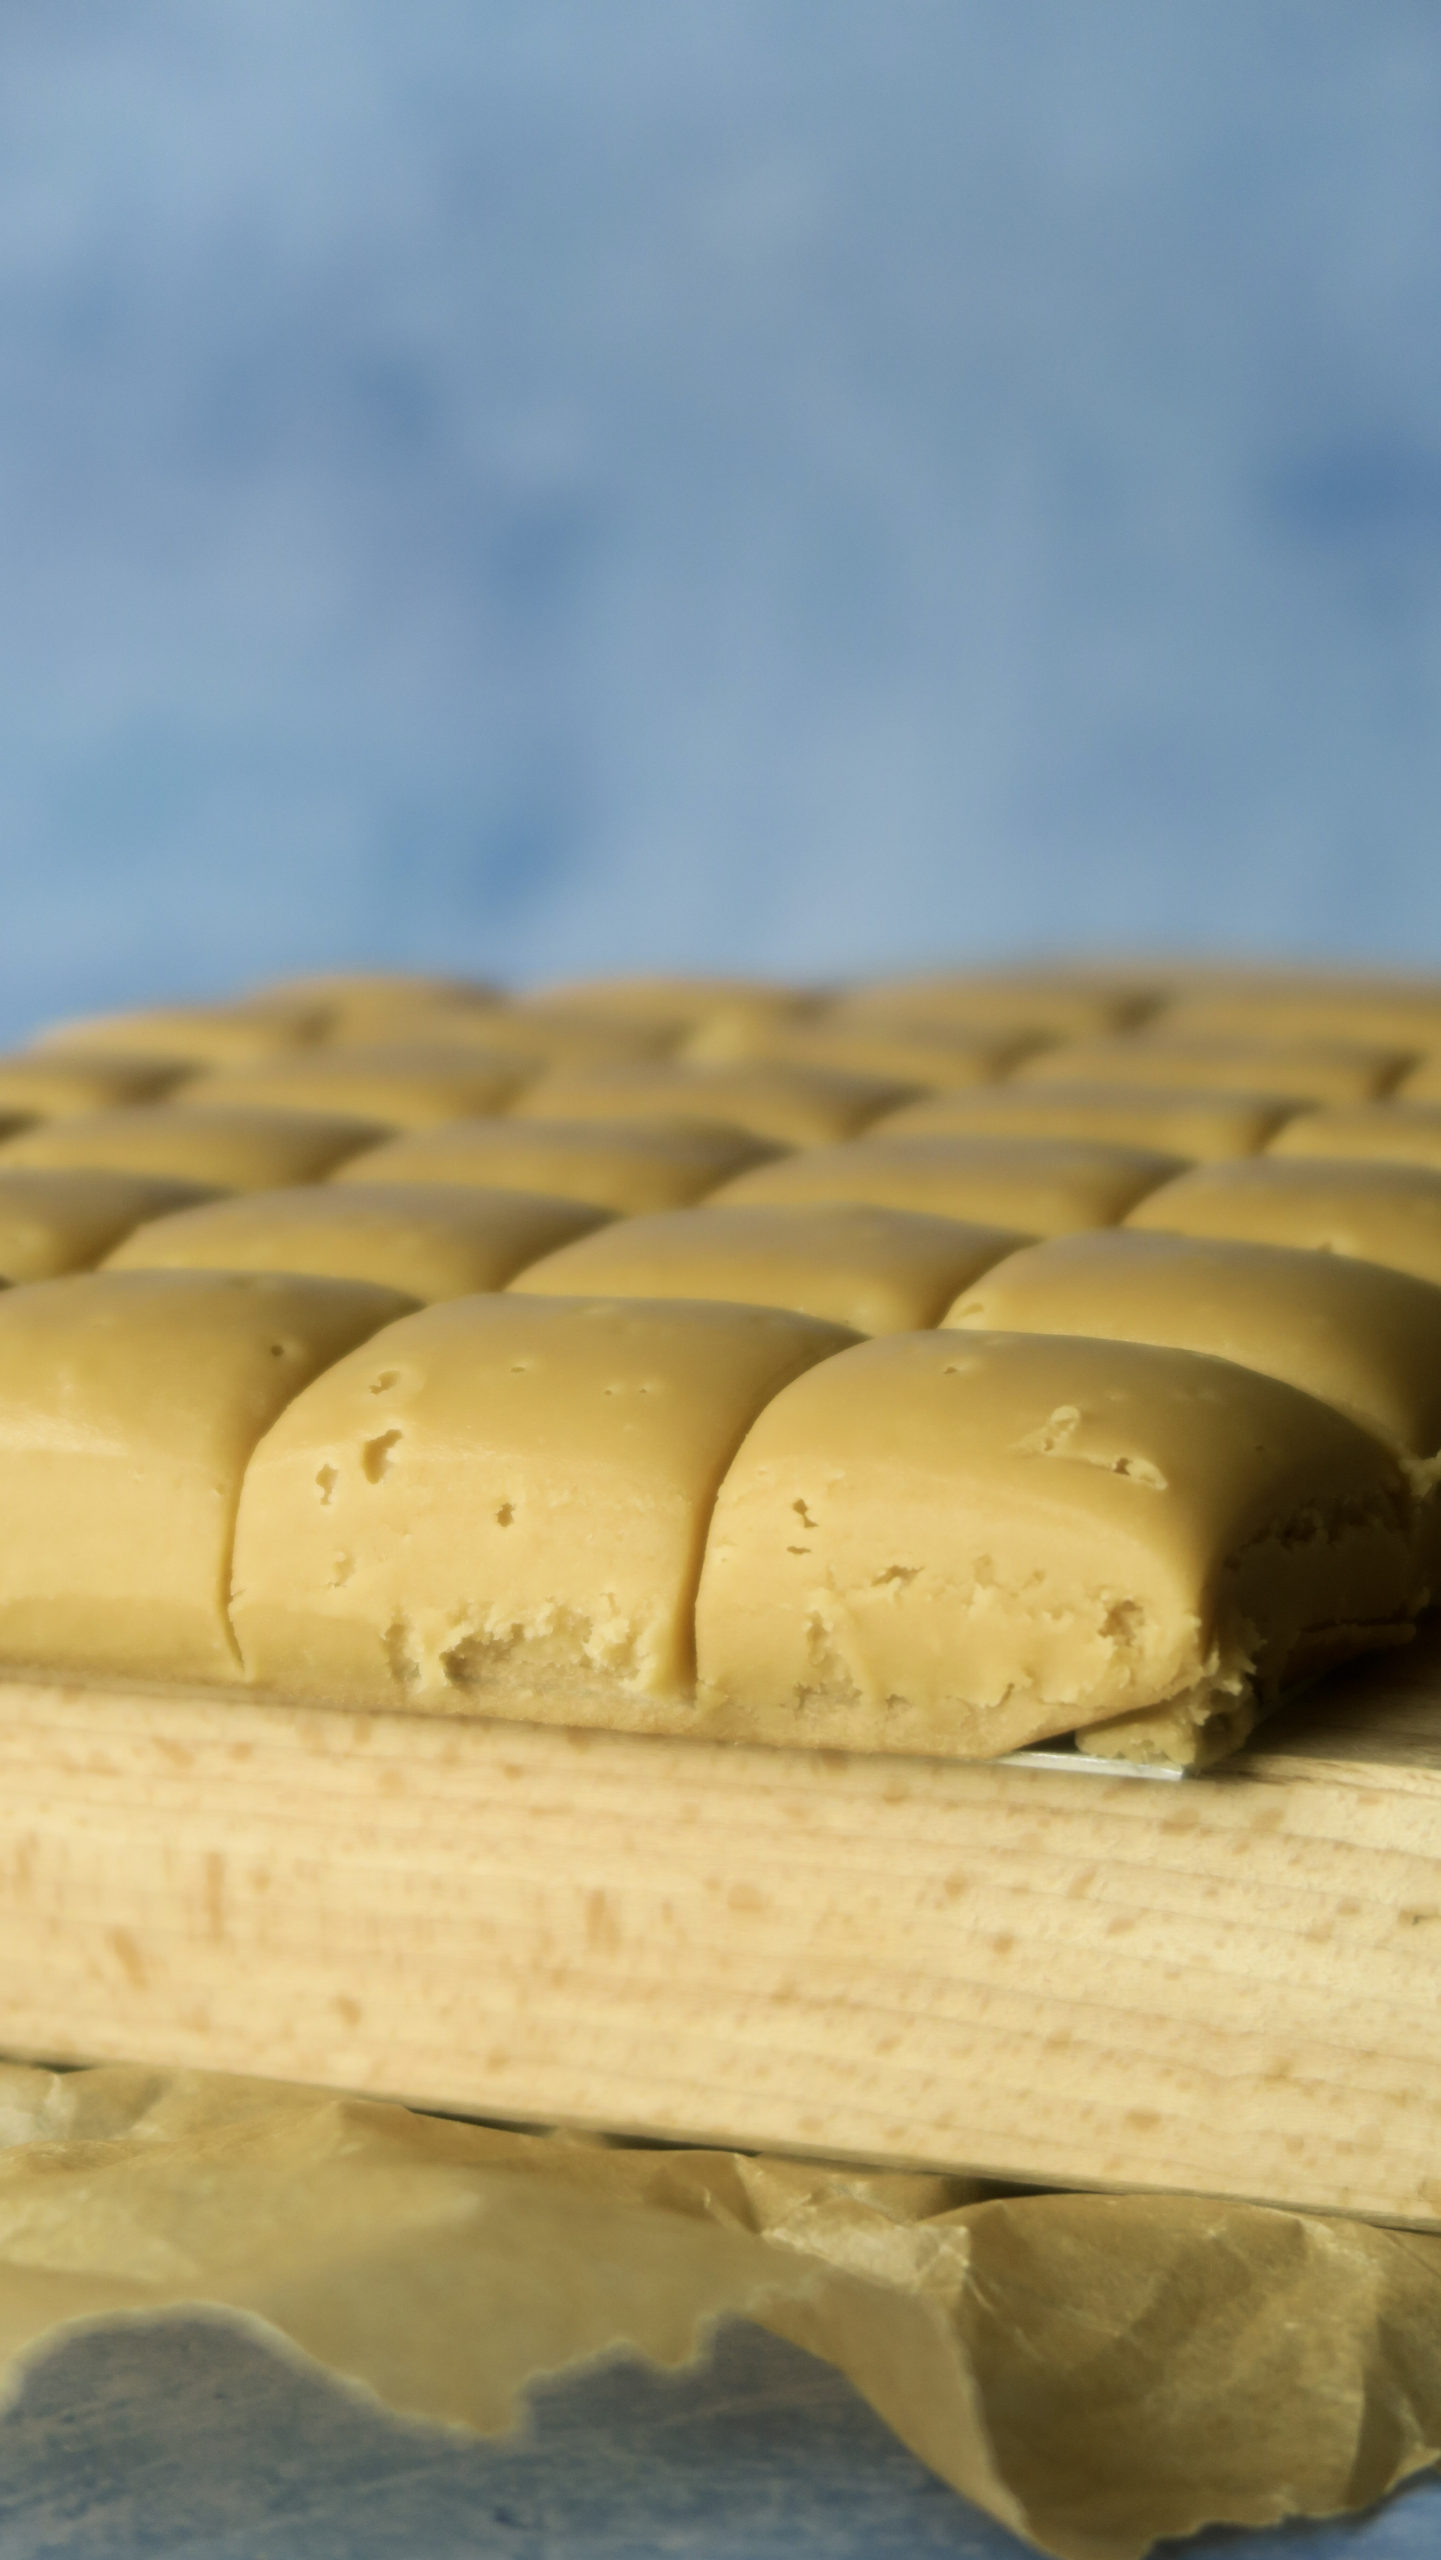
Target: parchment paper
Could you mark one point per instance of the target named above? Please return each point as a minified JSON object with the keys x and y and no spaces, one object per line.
{"x":1096,"y":2371}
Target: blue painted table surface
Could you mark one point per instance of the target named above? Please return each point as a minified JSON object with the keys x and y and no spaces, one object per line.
{"x":183,"y":2440}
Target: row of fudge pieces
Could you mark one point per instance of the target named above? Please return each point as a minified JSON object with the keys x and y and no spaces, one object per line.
{"x":940,"y":1366}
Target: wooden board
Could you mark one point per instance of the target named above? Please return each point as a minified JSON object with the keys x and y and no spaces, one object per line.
{"x":1230,"y":1983}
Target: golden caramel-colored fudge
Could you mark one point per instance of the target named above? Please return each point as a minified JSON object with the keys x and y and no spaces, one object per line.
{"x":1177,"y":1120}
{"x":538,"y":1037}
{"x":921,"y":1054}
{"x":52,"y":1222}
{"x":202,"y":1035}
{"x":625,"y":1166}
{"x":366,"y":1004}
{"x":672,"y":1004}
{"x":47,"y":1085}
{"x":1034,"y":1186}
{"x":129,"y":1406}
{"x":500,"y":1506}
{"x":427,"y":1239}
{"x":1421,"y":1084}
{"x":1275,"y":1004}
{"x":962,"y":1543}
{"x":1307,"y":1070}
{"x":13,"y":1125}
{"x":1388,"y":1213}
{"x":795,"y":1106}
{"x":1055,"y":1004}
{"x":875,"y":1270}
{"x":232,"y":1149}
{"x":1362,"y":1338}
{"x":1377,"y":1132}
{"x":401,"y":1084}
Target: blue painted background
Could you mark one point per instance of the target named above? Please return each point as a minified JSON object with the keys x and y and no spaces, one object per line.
{"x":549,"y":485}
{"x":181,"y":2440}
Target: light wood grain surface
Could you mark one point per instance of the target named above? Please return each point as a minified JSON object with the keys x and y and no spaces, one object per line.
{"x":1232,"y":1983}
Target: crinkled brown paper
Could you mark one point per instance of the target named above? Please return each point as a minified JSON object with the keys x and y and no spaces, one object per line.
{"x":1096,"y":2371}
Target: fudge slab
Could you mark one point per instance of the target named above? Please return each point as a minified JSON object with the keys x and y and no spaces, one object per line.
{"x":499,"y":1506}
{"x":216,"y":1035}
{"x":674,"y":1005}
{"x":1309,"y":1070}
{"x":1034,"y":1186}
{"x":925,"y":1055}
{"x":963,"y":1543}
{"x":48,"y":1084}
{"x":129,"y":1405}
{"x":365,"y":1004}
{"x":227,"y":1145}
{"x":549,"y":1037}
{"x":875,"y":1270}
{"x":623,"y":1166}
{"x":1266,"y":1004}
{"x":429,"y":1240}
{"x":403,"y":1084}
{"x":1362,"y":1338}
{"x":1387,"y":1213}
{"x":796,"y":1106}
{"x":1055,"y":1006}
{"x":1422,"y":1082}
{"x":1378,"y":1132}
{"x":1180,"y":1120}
{"x":52,"y":1222}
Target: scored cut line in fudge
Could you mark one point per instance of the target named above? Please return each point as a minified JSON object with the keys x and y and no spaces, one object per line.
{"x":401,"y":1084}
{"x":795,"y":1106}
{"x":538,"y":1040}
{"x":53,"y":1221}
{"x":49,"y":1085}
{"x":1402,"y":1013}
{"x":431,"y":1240}
{"x":1034,"y":1186}
{"x":924,"y":1055}
{"x":1179,"y":1120}
{"x":500,"y":1507}
{"x":129,"y":1405}
{"x":1421,"y":1083}
{"x":1306,"y":1070}
{"x":874,"y":1270}
{"x":1378,"y":1212}
{"x":671,"y":1004}
{"x":1398,"y":1132}
{"x":624,"y":1166}
{"x":232,"y":1147}
{"x":201,"y":1034}
{"x":1048,"y":1004}
{"x":364,"y":1004}
{"x":1362,"y":1338}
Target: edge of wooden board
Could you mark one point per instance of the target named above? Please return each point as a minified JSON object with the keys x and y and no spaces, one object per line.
{"x":1231,"y":1985}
